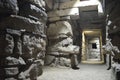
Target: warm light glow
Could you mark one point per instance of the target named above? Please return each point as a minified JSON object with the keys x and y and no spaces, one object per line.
{"x":88,"y":31}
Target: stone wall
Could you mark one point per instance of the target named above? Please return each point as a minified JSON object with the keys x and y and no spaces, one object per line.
{"x":22,"y":39}
{"x":60,"y":49}
{"x":113,"y":29}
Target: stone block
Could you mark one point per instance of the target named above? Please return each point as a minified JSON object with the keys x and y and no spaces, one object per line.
{"x":54,"y":60}
{"x":10,"y":39}
{"x":32,"y":46}
{"x":39,"y":3}
{"x":49,"y":59}
{"x":65,"y":62}
{"x":71,"y":49}
{"x":55,"y":45}
{"x":52,"y":19}
{"x":8,"y":7}
{"x":23,"y":24}
{"x":69,"y":4}
{"x":49,"y":5}
{"x":59,"y":29}
{"x":7,"y":44}
{"x":77,"y":3}
{"x":11,"y":61}
{"x":11,"y":71}
{"x":53,"y":5}
{"x":33,"y":12}
{"x":89,"y":8}
{"x":65,"y":12}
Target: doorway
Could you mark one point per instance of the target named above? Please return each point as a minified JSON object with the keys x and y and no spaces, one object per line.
{"x":92,"y":46}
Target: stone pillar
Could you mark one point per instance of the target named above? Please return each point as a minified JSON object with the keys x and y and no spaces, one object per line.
{"x":22,"y":39}
{"x":60,"y":49}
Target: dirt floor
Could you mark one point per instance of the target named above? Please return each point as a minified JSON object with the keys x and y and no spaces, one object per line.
{"x":86,"y":72}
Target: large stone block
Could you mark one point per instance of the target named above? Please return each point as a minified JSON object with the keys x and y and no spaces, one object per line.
{"x":64,"y":62}
{"x":77,"y":3}
{"x":83,"y":5}
{"x":52,"y":5}
{"x":49,"y":59}
{"x":32,"y":46}
{"x":39,"y":3}
{"x":7,"y":45}
{"x":8,"y":7}
{"x":56,"y":45}
{"x":11,"y":61}
{"x":10,"y":43}
{"x":33,"y":12}
{"x":71,"y":49}
{"x":64,"y":12}
{"x":23,"y":24}
{"x":52,"y":19}
{"x":49,"y":5}
{"x":59,"y":29}
{"x":56,"y":60}
{"x":11,"y":71}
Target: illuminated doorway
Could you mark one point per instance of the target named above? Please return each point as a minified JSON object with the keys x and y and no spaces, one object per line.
{"x":91,"y":46}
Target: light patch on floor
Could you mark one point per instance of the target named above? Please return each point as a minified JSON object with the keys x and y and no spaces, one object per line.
{"x":86,"y":72}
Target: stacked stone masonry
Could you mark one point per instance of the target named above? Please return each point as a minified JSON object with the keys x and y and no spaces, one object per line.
{"x":60,"y":49}
{"x":22,"y":39}
{"x":113,"y":33}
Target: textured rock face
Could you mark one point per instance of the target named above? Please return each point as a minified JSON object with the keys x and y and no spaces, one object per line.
{"x":32,"y":11}
{"x":113,"y":29}
{"x":60,"y":28}
{"x":8,"y":7}
{"x":22,"y":39}
{"x":39,"y":3}
{"x":60,"y":49}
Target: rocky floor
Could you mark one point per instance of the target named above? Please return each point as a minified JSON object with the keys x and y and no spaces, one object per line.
{"x":86,"y":72}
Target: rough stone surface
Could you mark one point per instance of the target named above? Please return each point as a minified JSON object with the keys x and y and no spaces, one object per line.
{"x":112,"y":20}
{"x":9,"y":61}
{"x":66,"y":12}
{"x":60,"y":28}
{"x":11,"y":71}
{"x":33,"y":12}
{"x":39,"y":3}
{"x":60,"y":45}
{"x":77,"y":3}
{"x":22,"y":39}
{"x":23,"y":23}
{"x":8,"y":7}
{"x":59,"y":18}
